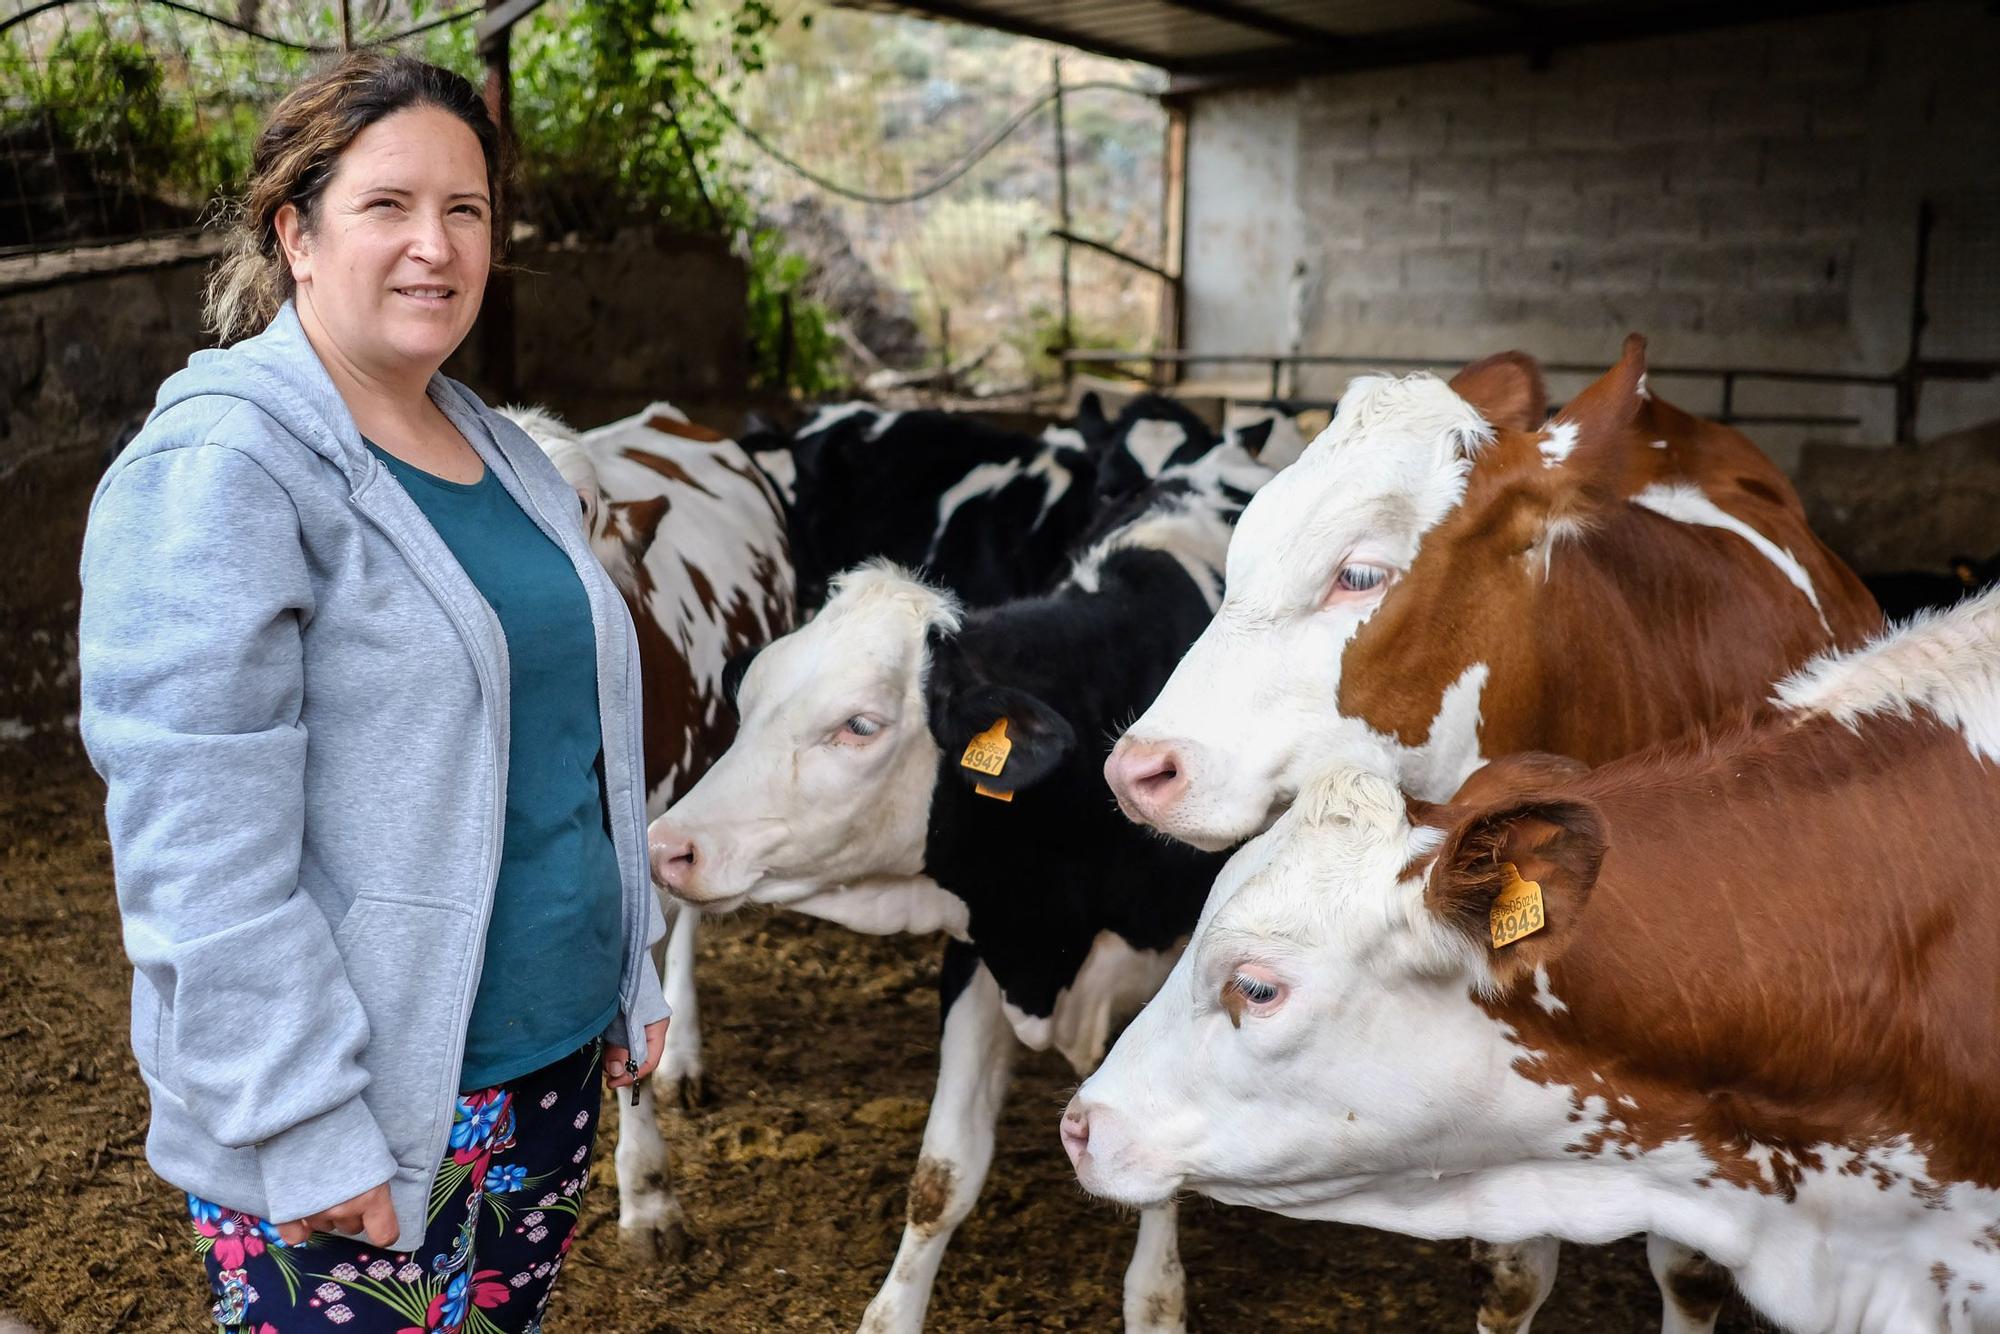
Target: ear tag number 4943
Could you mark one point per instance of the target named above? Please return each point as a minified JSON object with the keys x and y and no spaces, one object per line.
{"x":1517,"y":909}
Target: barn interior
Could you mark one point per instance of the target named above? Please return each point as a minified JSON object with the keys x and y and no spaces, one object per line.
{"x":1795,"y":202}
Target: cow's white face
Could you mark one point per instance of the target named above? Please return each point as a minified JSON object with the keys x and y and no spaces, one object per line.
{"x":1252,"y":710}
{"x":829,"y":780}
{"x":1317,"y":1035}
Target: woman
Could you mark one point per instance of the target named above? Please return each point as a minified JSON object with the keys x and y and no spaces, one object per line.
{"x":366,"y":708}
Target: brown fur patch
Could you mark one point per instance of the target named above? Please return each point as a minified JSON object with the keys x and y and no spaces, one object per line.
{"x":666,"y":425}
{"x":1506,"y":1291}
{"x":930,"y":1193}
{"x":1699,"y":1286}
{"x":1792,"y":924}
{"x":666,"y":467}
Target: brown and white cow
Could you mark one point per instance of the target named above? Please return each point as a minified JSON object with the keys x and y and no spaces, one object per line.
{"x":694,"y":536}
{"x":1753,"y":1010}
{"x":1444,"y":577}
{"x":1458,"y":580}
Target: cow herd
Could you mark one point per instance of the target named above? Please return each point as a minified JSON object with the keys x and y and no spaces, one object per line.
{"x":1556,"y":845}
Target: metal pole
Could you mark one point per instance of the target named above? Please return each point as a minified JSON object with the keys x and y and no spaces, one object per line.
{"x":1066,"y":339}
{"x":1909,"y":380}
{"x":1170,"y":327}
{"x":496,"y":316}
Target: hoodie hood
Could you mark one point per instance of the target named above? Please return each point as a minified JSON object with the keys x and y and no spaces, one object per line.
{"x":279,"y":372}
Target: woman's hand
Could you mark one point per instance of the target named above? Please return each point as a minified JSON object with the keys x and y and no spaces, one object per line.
{"x":615,"y":1057}
{"x":368,"y":1214}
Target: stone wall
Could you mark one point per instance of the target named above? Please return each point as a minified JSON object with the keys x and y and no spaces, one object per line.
{"x":600,"y":332}
{"x":1746,"y":196}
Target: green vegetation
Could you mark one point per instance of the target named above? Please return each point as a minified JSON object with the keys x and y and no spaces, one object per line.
{"x":611,"y":122}
{"x":103,"y":93}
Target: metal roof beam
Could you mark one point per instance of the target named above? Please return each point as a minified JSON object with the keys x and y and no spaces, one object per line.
{"x":1245,"y":16}
{"x":1414,"y":46}
{"x":972,"y":14}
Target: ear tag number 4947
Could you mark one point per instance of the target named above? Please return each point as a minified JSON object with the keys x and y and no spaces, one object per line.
{"x":987,"y":754}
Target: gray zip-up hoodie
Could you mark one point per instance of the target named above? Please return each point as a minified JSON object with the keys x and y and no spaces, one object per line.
{"x":298,"y":701}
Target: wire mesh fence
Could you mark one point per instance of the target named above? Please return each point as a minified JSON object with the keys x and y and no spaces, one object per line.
{"x":913,"y":168}
{"x":122,"y":120}
{"x":957,"y":126}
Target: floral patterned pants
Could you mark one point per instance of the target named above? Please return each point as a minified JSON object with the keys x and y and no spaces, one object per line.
{"x":503,"y":1213}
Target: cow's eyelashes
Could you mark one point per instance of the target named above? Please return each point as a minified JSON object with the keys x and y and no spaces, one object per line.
{"x":1356,"y":580}
{"x":857,"y":730}
{"x":1360,"y":577}
{"x":1254,"y":989}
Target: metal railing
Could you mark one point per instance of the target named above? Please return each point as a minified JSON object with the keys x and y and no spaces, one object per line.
{"x":1907,"y":383}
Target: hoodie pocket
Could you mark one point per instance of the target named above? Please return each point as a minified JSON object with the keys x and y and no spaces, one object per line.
{"x":408,"y":960}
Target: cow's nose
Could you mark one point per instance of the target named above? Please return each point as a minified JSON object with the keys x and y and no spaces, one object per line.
{"x":673,"y":860}
{"x":1147,"y":777}
{"x":1076,"y":1132}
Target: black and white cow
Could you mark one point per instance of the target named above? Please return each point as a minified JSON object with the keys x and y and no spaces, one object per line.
{"x":907,"y":765}
{"x":987,"y":513}
{"x":1151,"y":435}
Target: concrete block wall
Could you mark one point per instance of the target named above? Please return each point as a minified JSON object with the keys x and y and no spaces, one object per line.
{"x":1744,"y":196}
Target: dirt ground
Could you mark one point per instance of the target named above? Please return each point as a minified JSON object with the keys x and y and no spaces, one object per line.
{"x":821,"y":1054}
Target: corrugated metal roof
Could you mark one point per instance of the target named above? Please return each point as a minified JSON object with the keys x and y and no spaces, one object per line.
{"x":1234,"y":39}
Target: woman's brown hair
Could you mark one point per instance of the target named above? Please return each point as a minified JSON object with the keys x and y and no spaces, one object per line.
{"x":296,"y":155}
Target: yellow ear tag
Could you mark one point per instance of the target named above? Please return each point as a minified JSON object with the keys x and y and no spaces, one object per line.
{"x":986,"y":791}
{"x":987,"y":753}
{"x":1517,"y":909}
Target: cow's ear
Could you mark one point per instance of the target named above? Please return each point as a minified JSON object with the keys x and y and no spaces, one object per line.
{"x":1519,"y":872}
{"x":733,"y":672}
{"x":963,"y":706}
{"x":1255,"y":436}
{"x":1507,"y":389}
{"x":1090,"y":418}
{"x":1610,"y":405}
{"x":1036,"y":738}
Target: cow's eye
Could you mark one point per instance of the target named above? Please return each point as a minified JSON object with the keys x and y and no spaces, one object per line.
{"x":860,"y":726}
{"x":1359,"y":577}
{"x":1254,"y":989}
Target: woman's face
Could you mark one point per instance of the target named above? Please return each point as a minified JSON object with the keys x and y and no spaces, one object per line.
{"x":395,"y":265}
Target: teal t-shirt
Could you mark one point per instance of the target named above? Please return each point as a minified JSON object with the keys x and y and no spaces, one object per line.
{"x":553,"y":946}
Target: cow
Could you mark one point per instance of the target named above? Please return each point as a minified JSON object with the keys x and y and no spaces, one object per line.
{"x":988,"y":513}
{"x":906,"y":764}
{"x":1153,"y":433}
{"x":1904,"y":593}
{"x":694,"y":536}
{"x":1737,"y":991}
{"x":1447,"y":577}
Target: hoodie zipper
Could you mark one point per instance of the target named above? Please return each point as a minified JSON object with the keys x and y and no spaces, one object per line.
{"x":489,"y":870}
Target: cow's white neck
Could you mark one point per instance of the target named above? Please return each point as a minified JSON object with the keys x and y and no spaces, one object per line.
{"x":913,"y":906}
{"x":1844,"y":1256}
